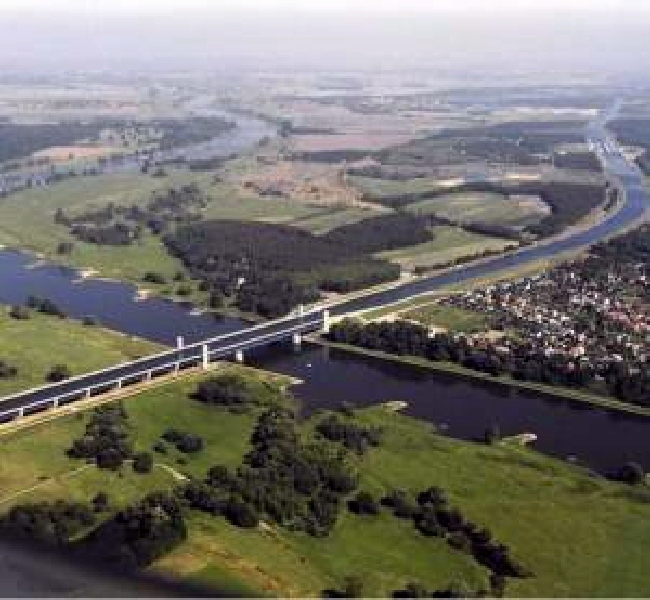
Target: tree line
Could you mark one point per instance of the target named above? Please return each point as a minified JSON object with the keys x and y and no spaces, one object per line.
{"x":523,"y":362}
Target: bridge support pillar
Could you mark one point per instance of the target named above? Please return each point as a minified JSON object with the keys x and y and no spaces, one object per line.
{"x":177,"y":368}
{"x":326,"y":321}
{"x":119,"y":384}
{"x":149,"y":376}
{"x":55,"y":403}
{"x":205,"y":357}
{"x":21,"y":413}
{"x":239,"y":356}
{"x":296,"y":338}
{"x":301,"y":310}
{"x":87,"y":393}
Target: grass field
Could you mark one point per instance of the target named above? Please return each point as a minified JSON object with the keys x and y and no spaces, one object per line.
{"x":40,"y":342}
{"x":581,"y":536}
{"x":449,"y":243}
{"x":328,"y":219}
{"x":388,"y":187}
{"x":447,"y":317}
{"x":27,"y":221}
{"x":478,"y":207}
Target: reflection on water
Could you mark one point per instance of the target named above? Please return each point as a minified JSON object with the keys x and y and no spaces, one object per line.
{"x":601,"y":439}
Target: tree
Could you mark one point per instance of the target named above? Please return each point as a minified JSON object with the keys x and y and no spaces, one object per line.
{"x":241,"y":514}
{"x":142,"y":462}
{"x":100,"y":502}
{"x":109,"y":458}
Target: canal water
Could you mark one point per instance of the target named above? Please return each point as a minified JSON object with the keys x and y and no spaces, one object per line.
{"x":462,"y":408}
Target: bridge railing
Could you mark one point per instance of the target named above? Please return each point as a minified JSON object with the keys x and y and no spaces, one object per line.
{"x":160,"y":355}
{"x":137,"y":377}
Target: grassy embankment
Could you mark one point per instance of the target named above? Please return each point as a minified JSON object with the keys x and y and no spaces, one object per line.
{"x":581,"y":536}
{"x":35,"y":345}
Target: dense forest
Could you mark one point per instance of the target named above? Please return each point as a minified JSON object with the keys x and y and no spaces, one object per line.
{"x":271,"y":268}
{"x":22,"y":140}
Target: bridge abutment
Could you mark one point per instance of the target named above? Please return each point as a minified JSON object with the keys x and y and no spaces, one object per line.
{"x":239,"y":356}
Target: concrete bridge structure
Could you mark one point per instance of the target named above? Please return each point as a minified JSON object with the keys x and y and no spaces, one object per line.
{"x":231,"y":345}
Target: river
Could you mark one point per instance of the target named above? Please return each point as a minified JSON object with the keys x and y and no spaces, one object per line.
{"x":462,"y":408}
{"x":595,"y":437}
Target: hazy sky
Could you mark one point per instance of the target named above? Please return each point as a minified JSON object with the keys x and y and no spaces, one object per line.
{"x":494,"y":36}
{"x":322,"y":5}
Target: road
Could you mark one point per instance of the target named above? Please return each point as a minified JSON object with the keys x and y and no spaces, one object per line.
{"x":634,"y":206}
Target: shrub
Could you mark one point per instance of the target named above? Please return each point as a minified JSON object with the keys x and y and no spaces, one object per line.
{"x":45,"y":306}
{"x":631,"y":473}
{"x":7,"y":371}
{"x":19,"y":312}
{"x":364,"y":504}
{"x":184,"y":290}
{"x":65,"y":248}
{"x":58,"y":373}
{"x":154,"y":277}
{"x":160,"y":447}
{"x":184,"y":442}
{"x":433,"y":496}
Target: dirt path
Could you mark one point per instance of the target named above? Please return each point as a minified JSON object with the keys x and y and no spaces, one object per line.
{"x":56,"y":478}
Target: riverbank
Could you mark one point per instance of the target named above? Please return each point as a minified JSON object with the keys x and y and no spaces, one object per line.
{"x":36,"y":344}
{"x":593,"y":521}
{"x":456,"y":369}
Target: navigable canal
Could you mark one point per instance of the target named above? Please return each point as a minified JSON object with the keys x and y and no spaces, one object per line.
{"x":462,"y":408}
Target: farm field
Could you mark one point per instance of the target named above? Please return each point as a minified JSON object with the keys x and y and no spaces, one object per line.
{"x":387,"y":187}
{"x":582,"y":536}
{"x":36,"y":344}
{"x":479,"y":207}
{"x":449,"y":243}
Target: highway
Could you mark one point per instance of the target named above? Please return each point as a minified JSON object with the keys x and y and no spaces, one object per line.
{"x":634,"y":205}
